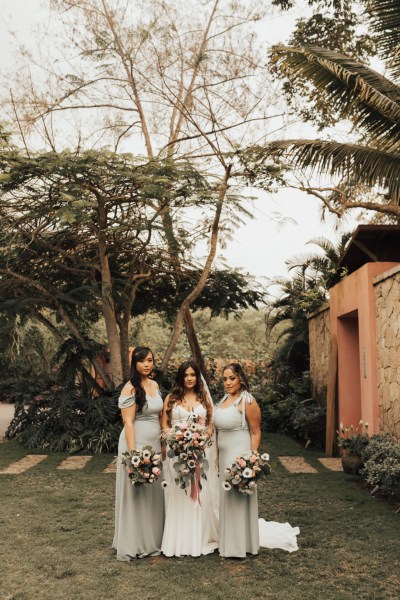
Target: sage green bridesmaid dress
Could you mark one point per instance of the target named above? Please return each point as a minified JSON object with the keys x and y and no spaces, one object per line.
{"x":139,"y":510}
{"x":238,"y":513}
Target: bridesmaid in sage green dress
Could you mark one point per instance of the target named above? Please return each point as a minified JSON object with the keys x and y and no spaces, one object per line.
{"x":237,"y":420}
{"x":139,"y":510}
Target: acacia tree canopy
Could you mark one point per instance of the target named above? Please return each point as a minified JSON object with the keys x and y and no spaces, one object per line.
{"x":82,"y":234}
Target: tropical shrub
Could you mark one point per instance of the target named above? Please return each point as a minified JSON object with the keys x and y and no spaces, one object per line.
{"x":62,"y":420}
{"x":354,"y":444}
{"x":308,"y":422}
{"x":382,"y":465}
{"x":287,"y":407}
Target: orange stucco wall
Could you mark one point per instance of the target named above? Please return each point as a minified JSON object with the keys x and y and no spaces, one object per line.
{"x":352,"y":319}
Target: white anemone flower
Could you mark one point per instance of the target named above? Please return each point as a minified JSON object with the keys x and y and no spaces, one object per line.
{"x":248,"y":473}
{"x":226,"y":486}
{"x":193,"y":427}
{"x":187,"y":435}
{"x":265,"y":456}
{"x":146,"y":453}
{"x":191,"y":464}
{"x":135,"y":460}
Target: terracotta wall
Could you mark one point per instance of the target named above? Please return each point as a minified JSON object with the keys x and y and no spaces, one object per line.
{"x":319,"y":335}
{"x":387,"y":302}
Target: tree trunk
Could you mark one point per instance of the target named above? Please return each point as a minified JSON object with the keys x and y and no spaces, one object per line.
{"x":204,"y":275}
{"x":194,"y":343}
{"x":107,"y":302}
{"x":123,"y":324}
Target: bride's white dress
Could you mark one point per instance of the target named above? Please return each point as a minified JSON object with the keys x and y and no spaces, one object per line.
{"x":190,"y":529}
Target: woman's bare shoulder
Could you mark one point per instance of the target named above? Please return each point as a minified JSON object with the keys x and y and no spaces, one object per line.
{"x":128,"y":389}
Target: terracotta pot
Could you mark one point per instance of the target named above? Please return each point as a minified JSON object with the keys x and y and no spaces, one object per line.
{"x":352,"y":463}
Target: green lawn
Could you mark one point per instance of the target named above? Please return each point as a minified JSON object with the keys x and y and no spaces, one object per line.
{"x":56,"y":531}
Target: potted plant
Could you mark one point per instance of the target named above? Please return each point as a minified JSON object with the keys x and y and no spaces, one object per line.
{"x":352,"y":442}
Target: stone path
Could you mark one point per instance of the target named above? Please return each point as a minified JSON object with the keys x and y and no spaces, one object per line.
{"x":72,"y":463}
{"x":293,"y":464}
{"x":296,"y":464}
{"x":29,"y":461}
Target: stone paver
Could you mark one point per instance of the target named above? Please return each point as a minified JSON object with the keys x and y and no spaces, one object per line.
{"x":333,"y":464}
{"x":72,"y":463}
{"x":293,"y":464}
{"x":29,"y":461}
{"x":296,"y":464}
{"x":112,"y":467}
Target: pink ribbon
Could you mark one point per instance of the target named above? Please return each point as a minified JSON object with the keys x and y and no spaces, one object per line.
{"x":195,"y":487}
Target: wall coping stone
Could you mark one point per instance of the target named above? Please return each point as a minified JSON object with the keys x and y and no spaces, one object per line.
{"x":319,"y":310}
{"x":386,"y":275}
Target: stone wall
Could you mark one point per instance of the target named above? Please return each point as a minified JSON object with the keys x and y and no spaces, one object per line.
{"x":320,"y":336}
{"x":387,"y":301}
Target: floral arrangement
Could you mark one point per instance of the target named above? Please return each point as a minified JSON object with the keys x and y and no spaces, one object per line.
{"x":243,"y":474}
{"x":353,"y":439}
{"x":187,"y":442}
{"x":144,"y":466}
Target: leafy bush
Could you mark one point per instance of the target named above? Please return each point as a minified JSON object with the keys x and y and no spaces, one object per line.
{"x":308,"y":421}
{"x":382,"y":465}
{"x":61,"y":420}
{"x":286,"y":407}
{"x":378,"y":448}
{"x":354,"y":444}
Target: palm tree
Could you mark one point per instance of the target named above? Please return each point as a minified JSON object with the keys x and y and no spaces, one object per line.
{"x":300,"y":296}
{"x":323,"y":266}
{"x":305,"y":292}
{"x":353,"y":91}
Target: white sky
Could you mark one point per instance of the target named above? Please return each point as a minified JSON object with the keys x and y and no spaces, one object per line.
{"x":261,"y":246}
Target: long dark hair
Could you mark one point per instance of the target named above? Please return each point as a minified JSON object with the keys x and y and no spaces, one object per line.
{"x":238,"y":370}
{"x":178,"y":391}
{"x":139,"y":354}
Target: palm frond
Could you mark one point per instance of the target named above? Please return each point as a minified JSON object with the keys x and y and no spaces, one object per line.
{"x":386,"y":25}
{"x":351,"y":88}
{"x":366,"y":165}
{"x":300,"y":261}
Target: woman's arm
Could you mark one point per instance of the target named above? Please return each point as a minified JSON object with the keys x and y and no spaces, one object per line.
{"x":253,"y":418}
{"x":128,"y":415}
{"x":164,"y":416}
{"x":164,"y":426}
{"x":128,"y":418}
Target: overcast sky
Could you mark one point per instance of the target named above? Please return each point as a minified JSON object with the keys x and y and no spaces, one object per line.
{"x":262,"y":245}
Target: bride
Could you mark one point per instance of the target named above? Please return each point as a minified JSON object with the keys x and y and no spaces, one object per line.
{"x":191,"y":527}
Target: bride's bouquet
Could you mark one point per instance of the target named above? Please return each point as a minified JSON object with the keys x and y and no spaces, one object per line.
{"x":248,"y":468}
{"x":144,"y":465}
{"x":187,"y":442}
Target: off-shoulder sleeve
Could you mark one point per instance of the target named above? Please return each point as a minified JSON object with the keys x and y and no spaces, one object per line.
{"x":126,"y":401}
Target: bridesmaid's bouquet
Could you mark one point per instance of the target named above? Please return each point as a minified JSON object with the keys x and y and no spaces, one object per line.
{"x":243,"y":474}
{"x":144,"y":465}
{"x":187,"y":442}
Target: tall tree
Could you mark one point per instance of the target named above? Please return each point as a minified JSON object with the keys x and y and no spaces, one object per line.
{"x":182,"y":79}
{"x":81,"y":234}
{"x":346,"y":88}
